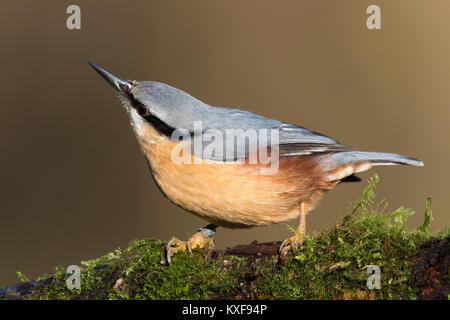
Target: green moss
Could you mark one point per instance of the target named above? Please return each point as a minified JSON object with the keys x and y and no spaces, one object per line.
{"x":331,"y":264}
{"x":22,"y":277}
{"x":145,"y":274}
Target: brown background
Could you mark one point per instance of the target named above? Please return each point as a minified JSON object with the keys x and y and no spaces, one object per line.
{"x":74,"y":184}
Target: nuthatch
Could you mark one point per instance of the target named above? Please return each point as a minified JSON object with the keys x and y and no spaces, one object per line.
{"x":225,"y":188}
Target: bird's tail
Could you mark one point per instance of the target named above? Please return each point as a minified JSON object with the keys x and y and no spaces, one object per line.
{"x":343,"y":164}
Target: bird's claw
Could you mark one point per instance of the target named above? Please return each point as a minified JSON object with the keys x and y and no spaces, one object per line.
{"x":197,"y":241}
{"x":173,"y":247}
{"x":291,"y":245}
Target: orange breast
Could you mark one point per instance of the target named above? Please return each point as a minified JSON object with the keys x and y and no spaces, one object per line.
{"x":233,"y":194}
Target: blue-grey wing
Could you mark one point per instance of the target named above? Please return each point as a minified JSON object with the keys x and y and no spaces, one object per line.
{"x":248,"y":132}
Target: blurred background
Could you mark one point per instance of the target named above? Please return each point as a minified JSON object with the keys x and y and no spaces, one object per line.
{"x":74,"y":184}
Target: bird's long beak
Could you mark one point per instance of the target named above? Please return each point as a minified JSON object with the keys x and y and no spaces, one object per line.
{"x":119,"y":84}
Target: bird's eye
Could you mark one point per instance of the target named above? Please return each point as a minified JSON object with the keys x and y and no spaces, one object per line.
{"x":142,"y":110}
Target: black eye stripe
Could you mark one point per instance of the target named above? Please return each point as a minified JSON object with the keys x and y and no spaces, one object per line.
{"x":142,"y":110}
{"x":138,"y":106}
{"x":135,"y":103}
{"x":159,"y":125}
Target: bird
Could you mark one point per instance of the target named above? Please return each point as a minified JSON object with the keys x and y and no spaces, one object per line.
{"x":237,"y":186}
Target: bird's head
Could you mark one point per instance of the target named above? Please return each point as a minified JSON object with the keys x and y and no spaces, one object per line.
{"x":152,"y":103}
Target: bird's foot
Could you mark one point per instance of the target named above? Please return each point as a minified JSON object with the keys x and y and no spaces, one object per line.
{"x":199,"y":240}
{"x":290,"y":245}
{"x":175,"y":245}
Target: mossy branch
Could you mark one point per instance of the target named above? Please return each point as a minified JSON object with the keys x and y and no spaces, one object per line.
{"x":331,"y":264}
